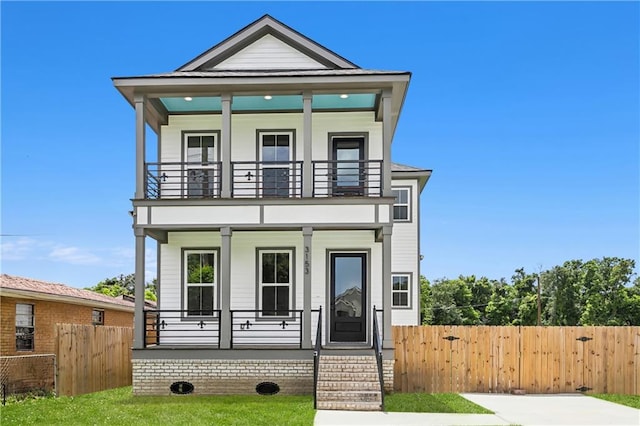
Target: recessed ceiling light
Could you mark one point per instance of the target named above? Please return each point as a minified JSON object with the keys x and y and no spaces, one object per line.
{"x":344,"y":96}
{"x":188,"y":98}
{"x":268,"y":97}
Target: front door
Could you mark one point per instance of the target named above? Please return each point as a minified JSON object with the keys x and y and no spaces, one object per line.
{"x":348,"y":160}
{"x":348,"y":297}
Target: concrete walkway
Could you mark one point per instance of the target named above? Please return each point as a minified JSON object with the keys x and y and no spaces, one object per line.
{"x":525,"y":410}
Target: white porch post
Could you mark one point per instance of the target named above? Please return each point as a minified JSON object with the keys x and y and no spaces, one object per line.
{"x":387,"y":134}
{"x":307,"y":172}
{"x":140,"y":101}
{"x":138,"y":319}
{"x":307,"y":233}
{"x":225,"y":288}
{"x":387,"y":341}
{"x":226,"y":176}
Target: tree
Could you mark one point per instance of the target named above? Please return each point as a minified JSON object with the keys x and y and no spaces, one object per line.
{"x":452,"y":302}
{"x":123,"y":284}
{"x":426,"y":302}
{"x":501,"y":307}
{"x":525,"y":298}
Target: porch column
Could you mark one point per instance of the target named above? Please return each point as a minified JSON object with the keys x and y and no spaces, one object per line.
{"x":387,"y":135}
{"x":387,"y":341}
{"x":138,"y":319}
{"x":226,"y":145}
{"x":307,"y":171}
{"x":140,"y":101}
{"x":225,"y":288}
{"x":307,"y":233}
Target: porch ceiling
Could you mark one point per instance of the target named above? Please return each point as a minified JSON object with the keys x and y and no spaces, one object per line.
{"x":341,"y":101}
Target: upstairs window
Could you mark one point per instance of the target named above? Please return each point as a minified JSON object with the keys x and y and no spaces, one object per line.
{"x":25,"y":327}
{"x":401,"y":211}
{"x":200,"y":277}
{"x":275,"y":281}
{"x":276,"y":154}
{"x":97,"y":317}
{"x":400,"y":290}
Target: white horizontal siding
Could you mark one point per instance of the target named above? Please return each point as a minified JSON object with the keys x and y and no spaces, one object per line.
{"x":268,"y":53}
{"x":244,"y":143}
{"x":405,"y":259}
{"x":202,"y":215}
{"x":319,"y":214}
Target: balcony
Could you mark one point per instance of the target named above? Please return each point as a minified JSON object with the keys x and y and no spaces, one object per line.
{"x":255,"y":179}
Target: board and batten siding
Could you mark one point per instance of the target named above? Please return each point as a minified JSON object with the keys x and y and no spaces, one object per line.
{"x":405,"y":258}
{"x":268,"y":53}
{"x":244,"y":126}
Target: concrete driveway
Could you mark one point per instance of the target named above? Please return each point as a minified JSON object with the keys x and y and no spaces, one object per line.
{"x":525,"y":410}
{"x":560,"y":409}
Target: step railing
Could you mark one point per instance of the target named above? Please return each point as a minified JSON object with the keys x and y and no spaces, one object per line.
{"x":377,"y":348}
{"x":316,"y":358}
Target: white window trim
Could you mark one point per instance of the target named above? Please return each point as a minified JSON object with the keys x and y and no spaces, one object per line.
{"x":260,"y":284}
{"x":186,"y":284}
{"x":407,"y":204}
{"x":32,"y":326}
{"x":408,"y":291}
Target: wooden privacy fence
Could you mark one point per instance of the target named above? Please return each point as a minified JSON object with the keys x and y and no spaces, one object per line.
{"x":500,"y":359}
{"x":92,"y":358}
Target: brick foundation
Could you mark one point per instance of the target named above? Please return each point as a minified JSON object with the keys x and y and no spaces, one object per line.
{"x":218,"y":377}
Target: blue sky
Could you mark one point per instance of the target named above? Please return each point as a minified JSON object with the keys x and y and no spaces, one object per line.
{"x":528,"y":114}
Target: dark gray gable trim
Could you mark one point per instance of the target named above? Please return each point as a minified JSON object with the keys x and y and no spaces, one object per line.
{"x":257,"y":30}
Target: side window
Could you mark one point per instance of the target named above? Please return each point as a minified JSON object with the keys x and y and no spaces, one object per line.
{"x":97,"y":317}
{"x":400,"y":290}
{"x":200,"y":278}
{"x":401,"y":204}
{"x":276,"y":154}
{"x":25,"y":327}
{"x":275,"y":275}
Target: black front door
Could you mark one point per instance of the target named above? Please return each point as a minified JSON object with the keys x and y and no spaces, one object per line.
{"x":348,"y":166}
{"x":348,"y":297}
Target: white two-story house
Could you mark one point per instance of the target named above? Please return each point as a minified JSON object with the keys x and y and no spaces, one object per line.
{"x":285,"y":234}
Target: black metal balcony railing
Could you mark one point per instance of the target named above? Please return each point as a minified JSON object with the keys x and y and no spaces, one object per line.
{"x":180,"y":327}
{"x":183,"y":180}
{"x":263,"y":179}
{"x":262,"y":329}
{"x":347,"y":178}
{"x":278,"y":179}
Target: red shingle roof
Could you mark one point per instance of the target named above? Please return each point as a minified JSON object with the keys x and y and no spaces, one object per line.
{"x":44,"y":287}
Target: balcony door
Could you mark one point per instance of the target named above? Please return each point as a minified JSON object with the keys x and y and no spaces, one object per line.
{"x":348,"y":166}
{"x":276,"y":156}
{"x":201,"y":162}
{"x":348,"y":297}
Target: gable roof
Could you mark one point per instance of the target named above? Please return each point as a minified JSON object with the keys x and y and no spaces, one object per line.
{"x":29,"y":288}
{"x":267,"y":25}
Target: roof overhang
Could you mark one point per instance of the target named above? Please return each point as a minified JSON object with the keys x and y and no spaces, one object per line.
{"x":422,"y":176}
{"x":34,"y":295}
{"x":155,"y":87}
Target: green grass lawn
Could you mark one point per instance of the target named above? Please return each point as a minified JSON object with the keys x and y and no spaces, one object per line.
{"x":119,"y":407}
{"x":629,"y":400}
{"x":432,"y":403}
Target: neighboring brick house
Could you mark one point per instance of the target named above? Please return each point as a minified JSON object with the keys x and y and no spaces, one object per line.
{"x":30,"y":310}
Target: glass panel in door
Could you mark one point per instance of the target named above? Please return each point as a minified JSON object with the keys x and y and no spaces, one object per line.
{"x":348,"y":156}
{"x":348,"y":297}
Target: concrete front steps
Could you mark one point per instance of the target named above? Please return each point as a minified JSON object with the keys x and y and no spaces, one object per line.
{"x":348,"y":382}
